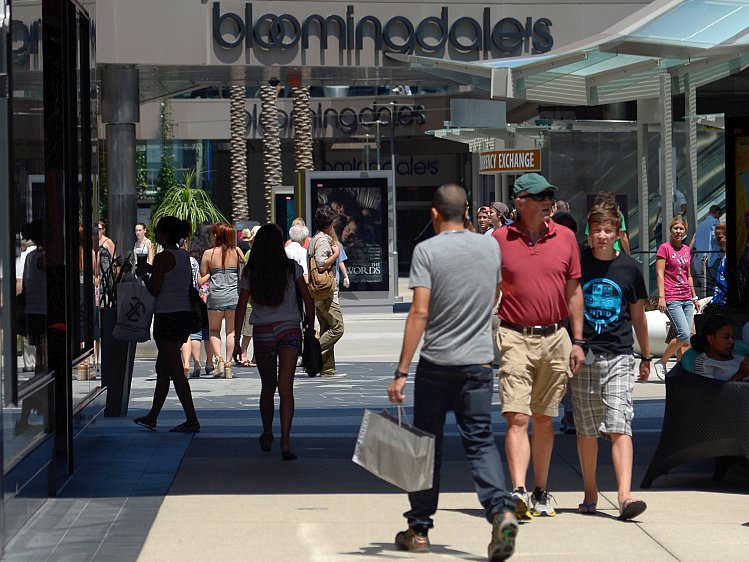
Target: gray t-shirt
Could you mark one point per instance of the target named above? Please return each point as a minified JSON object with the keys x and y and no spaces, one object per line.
{"x":287,"y":311}
{"x":462,"y":271}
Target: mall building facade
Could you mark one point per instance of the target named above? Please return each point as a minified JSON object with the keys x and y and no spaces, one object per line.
{"x":84,"y":77}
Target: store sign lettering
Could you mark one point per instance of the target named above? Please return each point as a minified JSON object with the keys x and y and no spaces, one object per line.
{"x":398,"y":34}
{"x":404,"y":167}
{"x":346,"y":120}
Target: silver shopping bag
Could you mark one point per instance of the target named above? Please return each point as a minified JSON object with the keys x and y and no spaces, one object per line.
{"x":397,"y":452}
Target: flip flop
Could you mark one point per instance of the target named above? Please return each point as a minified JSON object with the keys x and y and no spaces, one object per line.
{"x":631,"y":508}
{"x":587,"y":508}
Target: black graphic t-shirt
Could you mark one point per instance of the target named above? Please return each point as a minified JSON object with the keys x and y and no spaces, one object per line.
{"x":609,"y":287}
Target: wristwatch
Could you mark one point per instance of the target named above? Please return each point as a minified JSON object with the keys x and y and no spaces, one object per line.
{"x":399,"y":375}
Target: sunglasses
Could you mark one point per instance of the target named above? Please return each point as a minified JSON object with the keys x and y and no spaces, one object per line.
{"x":539,"y":196}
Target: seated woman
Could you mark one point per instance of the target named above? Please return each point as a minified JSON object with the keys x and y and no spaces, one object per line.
{"x":717,"y":360}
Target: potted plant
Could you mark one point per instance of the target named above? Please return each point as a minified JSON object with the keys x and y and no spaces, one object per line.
{"x":187,"y":203}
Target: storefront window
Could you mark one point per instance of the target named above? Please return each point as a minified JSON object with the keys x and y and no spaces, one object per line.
{"x":25,"y":396}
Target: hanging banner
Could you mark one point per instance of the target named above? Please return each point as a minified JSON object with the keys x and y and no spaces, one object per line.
{"x":510,"y":161}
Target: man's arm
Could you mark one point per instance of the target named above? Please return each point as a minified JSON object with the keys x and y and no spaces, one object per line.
{"x":574,"y":297}
{"x":640,"y":324}
{"x":624,"y":241}
{"x":655,"y":224}
{"x":415,"y":325}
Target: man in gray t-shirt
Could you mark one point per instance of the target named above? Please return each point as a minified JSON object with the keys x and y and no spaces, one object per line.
{"x":455,"y":277}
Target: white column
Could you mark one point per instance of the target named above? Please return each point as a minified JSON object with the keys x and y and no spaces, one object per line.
{"x":667,"y":161}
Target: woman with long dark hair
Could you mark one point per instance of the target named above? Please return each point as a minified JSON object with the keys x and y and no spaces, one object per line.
{"x":272,"y":281}
{"x":220,"y":266}
{"x":168,"y":279}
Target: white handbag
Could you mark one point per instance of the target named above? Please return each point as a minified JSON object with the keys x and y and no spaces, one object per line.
{"x":134,"y":313}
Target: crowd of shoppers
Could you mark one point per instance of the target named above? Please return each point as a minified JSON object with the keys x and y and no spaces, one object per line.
{"x":560,"y":313}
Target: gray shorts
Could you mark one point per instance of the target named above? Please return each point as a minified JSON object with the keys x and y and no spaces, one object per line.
{"x":246,"y":326}
{"x":602,"y":396}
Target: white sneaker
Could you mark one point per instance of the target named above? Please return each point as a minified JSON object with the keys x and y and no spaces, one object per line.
{"x":335,"y":375}
{"x":542,"y":503}
{"x":660,"y":369}
{"x":522,"y":501}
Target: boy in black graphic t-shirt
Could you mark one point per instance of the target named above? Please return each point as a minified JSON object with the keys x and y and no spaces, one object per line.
{"x":614,"y":293}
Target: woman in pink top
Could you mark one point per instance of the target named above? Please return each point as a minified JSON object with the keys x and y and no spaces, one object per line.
{"x":676,"y":296}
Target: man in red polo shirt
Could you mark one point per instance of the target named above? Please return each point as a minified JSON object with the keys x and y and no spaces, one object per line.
{"x":541,"y":295}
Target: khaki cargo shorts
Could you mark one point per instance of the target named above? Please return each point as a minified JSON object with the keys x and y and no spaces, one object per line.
{"x":533,"y":371}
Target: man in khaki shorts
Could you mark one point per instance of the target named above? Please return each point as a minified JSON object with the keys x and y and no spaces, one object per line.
{"x":541,"y":296}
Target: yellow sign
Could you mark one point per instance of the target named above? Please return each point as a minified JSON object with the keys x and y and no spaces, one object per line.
{"x":510,"y":161}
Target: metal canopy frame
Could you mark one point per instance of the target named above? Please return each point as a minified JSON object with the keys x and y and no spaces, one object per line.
{"x":704,"y":39}
{"x":670,"y":47}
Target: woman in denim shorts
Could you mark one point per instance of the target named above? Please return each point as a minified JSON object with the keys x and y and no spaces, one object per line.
{"x":676,"y":296}
{"x":275,"y":286}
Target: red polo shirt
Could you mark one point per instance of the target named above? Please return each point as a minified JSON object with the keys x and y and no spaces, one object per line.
{"x":534,"y":275}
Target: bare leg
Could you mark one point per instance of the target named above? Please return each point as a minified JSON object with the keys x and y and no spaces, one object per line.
{"x":208,"y":354}
{"x":185,"y":352}
{"x":621,"y":455}
{"x":542,"y":446}
{"x":215,"y":317}
{"x":229,"y":316}
{"x":517,"y":447}
{"x":245,"y":346}
{"x":672,"y":347}
{"x":266,"y":366}
{"x":587,"y":451}
{"x":195,"y":352}
{"x":286,"y":367}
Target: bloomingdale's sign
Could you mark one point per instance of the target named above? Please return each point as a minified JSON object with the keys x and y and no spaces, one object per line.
{"x":398,"y":34}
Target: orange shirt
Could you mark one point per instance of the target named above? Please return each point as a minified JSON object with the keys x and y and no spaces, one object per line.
{"x":534,"y":275}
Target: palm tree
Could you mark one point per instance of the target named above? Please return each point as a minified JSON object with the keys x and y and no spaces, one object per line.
{"x":302,"y":130}
{"x":239,"y":207}
{"x":271,"y":143}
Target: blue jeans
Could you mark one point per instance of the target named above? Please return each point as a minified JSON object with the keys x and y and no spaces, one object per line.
{"x":466,"y":390}
{"x":680,"y":314}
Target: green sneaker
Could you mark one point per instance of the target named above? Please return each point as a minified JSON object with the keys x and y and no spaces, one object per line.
{"x":504,"y":533}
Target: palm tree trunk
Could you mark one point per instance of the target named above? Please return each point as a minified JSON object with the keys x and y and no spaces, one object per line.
{"x":271,"y":144}
{"x":239,"y":206}
{"x":302,"y":130}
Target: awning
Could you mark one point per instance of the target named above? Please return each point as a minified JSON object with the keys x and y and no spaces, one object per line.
{"x":699,"y":41}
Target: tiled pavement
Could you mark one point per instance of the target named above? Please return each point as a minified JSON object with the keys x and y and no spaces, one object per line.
{"x":110,"y":506}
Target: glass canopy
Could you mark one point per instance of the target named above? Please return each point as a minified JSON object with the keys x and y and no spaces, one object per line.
{"x":692,"y":41}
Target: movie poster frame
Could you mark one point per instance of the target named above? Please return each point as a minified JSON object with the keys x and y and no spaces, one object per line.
{"x":383,"y":288}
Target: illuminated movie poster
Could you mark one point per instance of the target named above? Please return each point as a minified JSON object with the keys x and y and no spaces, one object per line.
{"x":361,"y":226}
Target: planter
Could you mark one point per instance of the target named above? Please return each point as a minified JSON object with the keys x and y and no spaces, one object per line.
{"x":117,"y":360}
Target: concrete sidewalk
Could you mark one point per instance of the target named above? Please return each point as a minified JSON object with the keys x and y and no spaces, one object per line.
{"x":138,"y":495}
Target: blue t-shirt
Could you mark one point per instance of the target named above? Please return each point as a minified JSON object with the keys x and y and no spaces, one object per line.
{"x":341,"y":257}
{"x":704,"y":241}
{"x":720,"y":295}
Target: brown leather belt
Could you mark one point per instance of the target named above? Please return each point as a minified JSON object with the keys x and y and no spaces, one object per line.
{"x":538,"y":331}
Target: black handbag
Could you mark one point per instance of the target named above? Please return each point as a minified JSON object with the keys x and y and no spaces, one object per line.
{"x":311,"y":350}
{"x":198,"y":311}
{"x":21,"y":313}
